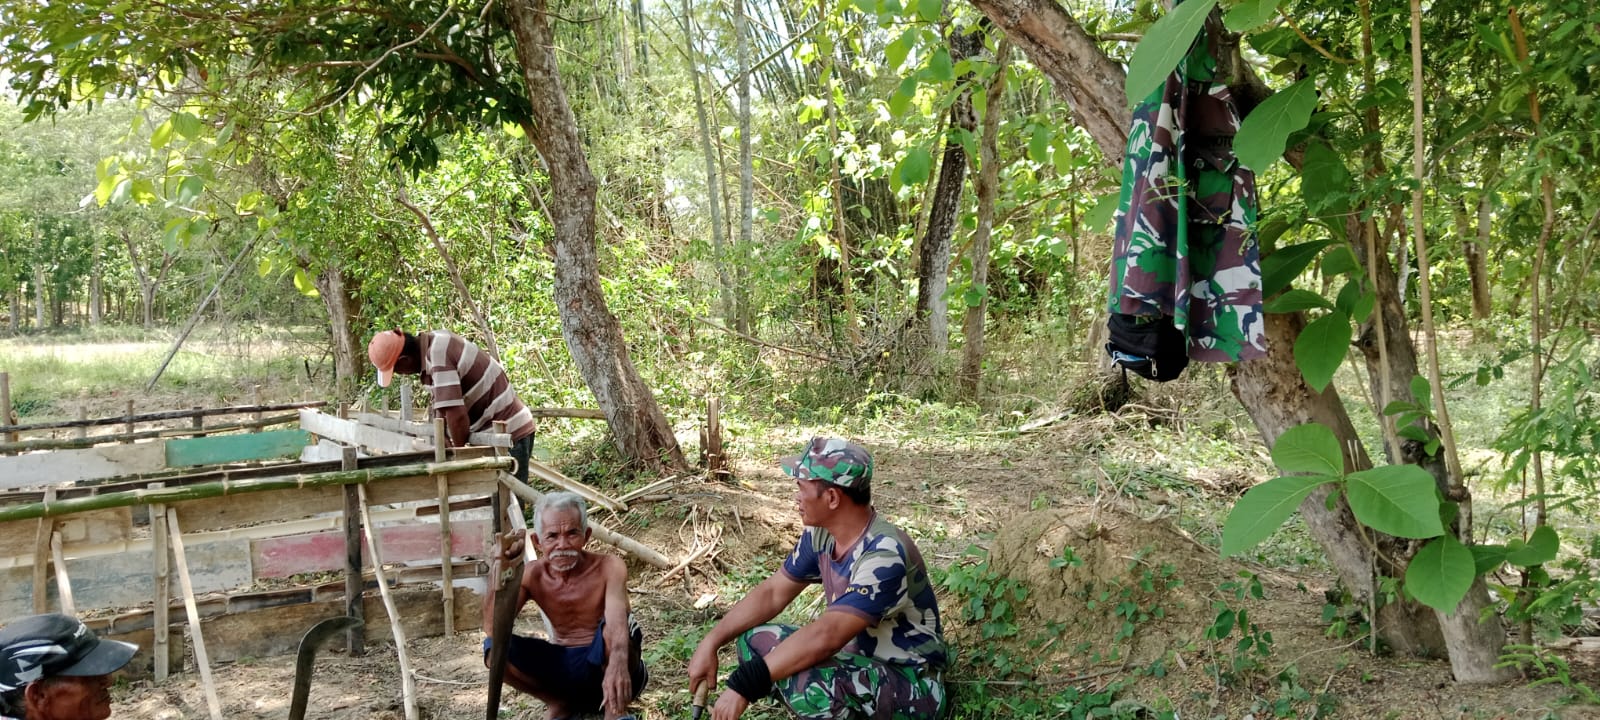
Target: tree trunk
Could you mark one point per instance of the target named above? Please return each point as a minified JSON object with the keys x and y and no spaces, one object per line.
{"x":38,"y":298}
{"x":725,"y":302}
{"x":1275,"y":395}
{"x":96,"y":298}
{"x":1477,"y":267}
{"x":344,"y":312}
{"x":15,"y":320}
{"x":746,"y":199}
{"x":985,"y":183}
{"x":933,"y":263}
{"x":592,"y":333}
{"x":1270,"y":388}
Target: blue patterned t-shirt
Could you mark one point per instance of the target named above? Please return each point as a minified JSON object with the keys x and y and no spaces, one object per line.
{"x":883,"y":579}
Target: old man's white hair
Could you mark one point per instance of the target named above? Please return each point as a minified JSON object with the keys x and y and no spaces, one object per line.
{"x":559,"y":501}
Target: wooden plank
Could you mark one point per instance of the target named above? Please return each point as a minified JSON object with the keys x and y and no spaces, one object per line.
{"x":96,"y":463}
{"x":196,"y":637}
{"x":355,"y":643}
{"x":73,"y":443}
{"x":350,"y":432}
{"x":125,"y":580}
{"x":220,"y":449}
{"x":446,"y":539}
{"x":129,"y":419}
{"x":282,"y":557}
{"x":485,"y":438}
{"x":275,"y":631}
{"x":280,"y":505}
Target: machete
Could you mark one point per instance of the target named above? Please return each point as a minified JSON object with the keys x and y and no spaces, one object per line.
{"x":306,"y":658}
{"x":698,"y":705}
{"x":505,"y":614}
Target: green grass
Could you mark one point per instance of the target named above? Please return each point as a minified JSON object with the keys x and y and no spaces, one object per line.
{"x":52,"y":375}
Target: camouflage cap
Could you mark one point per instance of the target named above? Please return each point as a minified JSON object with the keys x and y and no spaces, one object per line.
{"x":832,"y":460}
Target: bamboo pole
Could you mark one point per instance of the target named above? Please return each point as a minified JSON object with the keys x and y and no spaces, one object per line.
{"x":63,"y":582}
{"x":444,"y":530}
{"x":161,"y":649}
{"x":354,"y":587}
{"x":83,"y":414}
{"x":408,"y":688}
{"x":41,"y":558}
{"x":622,"y":542}
{"x":255,"y":397}
{"x":196,"y":640}
{"x":130,"y":418}
{"x":223,"y":488}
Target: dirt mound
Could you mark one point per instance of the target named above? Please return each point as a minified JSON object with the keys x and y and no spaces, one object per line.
{"x":1111,"y":586}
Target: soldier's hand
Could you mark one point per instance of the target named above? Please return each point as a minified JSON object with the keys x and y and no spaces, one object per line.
{"x":703,"y":667}
{"x":729,"y":706}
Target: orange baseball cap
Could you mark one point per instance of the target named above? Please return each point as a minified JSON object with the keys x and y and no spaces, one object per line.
{"x":384,"y":352}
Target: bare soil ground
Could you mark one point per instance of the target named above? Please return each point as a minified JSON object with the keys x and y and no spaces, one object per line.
{"x":1022,"y":499}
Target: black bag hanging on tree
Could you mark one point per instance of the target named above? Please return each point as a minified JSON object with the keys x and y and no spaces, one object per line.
{"x":1151,"y":347}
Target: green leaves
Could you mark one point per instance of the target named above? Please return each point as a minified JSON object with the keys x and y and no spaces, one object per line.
{"x":1325,"y":182}
{"x":302,"y":282}
{"x":915,"y":166}
{"x":1282,"y":266}
{"x":1308,"y":448}
{"x":1249,"y":15}
{"x":1164,"y":44}
{"x":1539,"y":549}
{"x":1264,"y":508}
{"x":1441,"y":574}
{"x":1297,"y":300}
{"x":1321,"y":348}
{"x":1265,"y":131}
{"x":1397,"y":500}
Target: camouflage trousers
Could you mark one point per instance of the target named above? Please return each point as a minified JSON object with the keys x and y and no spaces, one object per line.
{"x":851,"y":686}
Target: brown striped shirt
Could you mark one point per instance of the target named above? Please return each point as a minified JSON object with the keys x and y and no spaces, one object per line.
{"x":460,"y":374}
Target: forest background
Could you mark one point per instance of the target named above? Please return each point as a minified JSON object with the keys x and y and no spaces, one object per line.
{"x":868,"y":214}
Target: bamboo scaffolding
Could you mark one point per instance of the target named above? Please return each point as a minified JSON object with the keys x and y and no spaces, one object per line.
{"x":163,"y":415}
{"x":86,"y":442}
{"x":200,"y":491}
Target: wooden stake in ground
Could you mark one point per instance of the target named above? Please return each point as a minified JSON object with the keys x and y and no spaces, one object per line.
{"x":160,"y":648}
{"x":63,"y":583}
{"x":195,"y":640}
{"x":41,"y":558}
{"x":408,"y":684}
{"x":6,"y":418}
{"x":505,"y":599}
{"x":354,"y":587}
{"x":439,"y":455}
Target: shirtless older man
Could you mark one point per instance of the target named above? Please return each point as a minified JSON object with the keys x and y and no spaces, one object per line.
{"x":592,"y":659}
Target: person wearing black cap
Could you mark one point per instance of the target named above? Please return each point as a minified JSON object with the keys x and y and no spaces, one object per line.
{"x":53,"y":667}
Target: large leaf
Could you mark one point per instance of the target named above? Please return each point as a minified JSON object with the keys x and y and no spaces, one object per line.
{"x":1282,"y":266}
{"x":1099,"y":216}
{"x":1325,"y":182}
{"x":1164,"y":44}
{"x":1309,"y":448}
{"x":1297,"y":300}
{"x":1265,"y":131}
{"x":940,"y":67}
{"x":187,"y":125}
{"x":1540,"y":548}
{"x":302,"y":282}
{"x":1397,"y":500}
{"x":1486,"y":558}
{"x":1321,"y":347}
{"x":1441,"y":574}
{"x":900,"y":101}
{"x":1263,"y":509}
{"x":916,"y":166}
{"x":1249,"y":15}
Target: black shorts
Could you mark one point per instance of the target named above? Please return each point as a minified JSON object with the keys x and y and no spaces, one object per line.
{"x":576,"y":671}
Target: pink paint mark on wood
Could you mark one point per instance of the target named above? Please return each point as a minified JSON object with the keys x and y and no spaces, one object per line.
{"x":324,"y":551}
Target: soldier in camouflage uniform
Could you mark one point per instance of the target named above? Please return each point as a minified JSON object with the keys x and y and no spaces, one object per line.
{"x":877,"y":651}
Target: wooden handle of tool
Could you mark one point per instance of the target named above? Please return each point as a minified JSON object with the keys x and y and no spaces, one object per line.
{"x":701,"y":693}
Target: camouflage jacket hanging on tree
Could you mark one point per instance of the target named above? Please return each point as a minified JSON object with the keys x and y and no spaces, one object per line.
{"x":1185,"y":244}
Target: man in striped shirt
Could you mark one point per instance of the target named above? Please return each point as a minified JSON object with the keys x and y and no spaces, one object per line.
{"x":470,"y":389}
